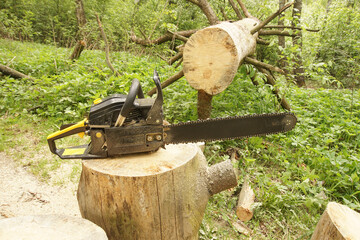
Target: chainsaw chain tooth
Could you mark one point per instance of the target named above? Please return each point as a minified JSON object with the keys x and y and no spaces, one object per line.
{"x":189,"y":140}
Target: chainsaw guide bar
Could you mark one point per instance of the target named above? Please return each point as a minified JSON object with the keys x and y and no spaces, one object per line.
{"x":230,"y":128}
{"x":123,"y":124}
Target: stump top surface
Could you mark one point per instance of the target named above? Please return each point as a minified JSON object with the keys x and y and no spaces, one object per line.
{"x":145,"y":164}
{"x":55,"y":227}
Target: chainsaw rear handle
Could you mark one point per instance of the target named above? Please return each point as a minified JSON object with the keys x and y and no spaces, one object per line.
{"x":135,"y":90}
{"x":79,"y":127}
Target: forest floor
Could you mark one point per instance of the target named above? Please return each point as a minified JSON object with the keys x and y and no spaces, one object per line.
{"x":22,"y":193}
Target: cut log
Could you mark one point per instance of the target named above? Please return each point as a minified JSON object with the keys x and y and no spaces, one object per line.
{"x":160,"y":195}
{"x":246,"y":200}
{"x":54,"y":227}
{"x":212,"y":55}
{"x":338,"y":222}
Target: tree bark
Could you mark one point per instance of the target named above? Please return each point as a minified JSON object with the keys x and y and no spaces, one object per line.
{"x":298,"y":69}
{"x":160,"y":195}
{"x":204,"y":105}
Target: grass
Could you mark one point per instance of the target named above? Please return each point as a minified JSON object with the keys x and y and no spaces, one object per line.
{"x":294,"y":174}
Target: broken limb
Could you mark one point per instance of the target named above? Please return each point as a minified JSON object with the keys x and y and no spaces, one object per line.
{"x":165,"y":38}
{"x":13,"y":73}
{"x":175,"y":58}
{"x":271,"y":80}
{"x":236,"y":9}
{"x":255,"y":62}
{"x":291,"y":27}
{"x":277,"y":32}
{"x":271,"y":17}
{"x":106,"y":46}
{"x":167,"y":82}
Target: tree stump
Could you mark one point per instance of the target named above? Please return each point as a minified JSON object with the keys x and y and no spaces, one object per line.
{"x":159,"y":195}
{"x":338,"y":222}
{"x":54,"y":227}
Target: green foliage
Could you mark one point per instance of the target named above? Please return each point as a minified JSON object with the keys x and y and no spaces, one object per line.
{"x":294,"y":174}
{"x":339,"y":46}
{"x":65,"y":89}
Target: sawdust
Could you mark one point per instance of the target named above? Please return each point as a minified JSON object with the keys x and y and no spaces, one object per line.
{"x":21,"y":193}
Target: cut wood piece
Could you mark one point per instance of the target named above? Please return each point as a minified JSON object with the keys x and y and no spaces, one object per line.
{"x":246,"y":200}
{"x":54,"y":227}
{"x":338,"y":222}
{"x":159,"y":195}
{"x":212,"y":55}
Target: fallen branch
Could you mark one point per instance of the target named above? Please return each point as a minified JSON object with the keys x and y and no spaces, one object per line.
{"x":271,"y":80}
{"x":106,"y":46}
{"x":179,"y":63}
{"x":175,"y":58}
{"x":271,"y":17}
{"x":224,"y":14}
{"x":165,"y":38}
{"x":177,"y":36}
{"x":244,"y":9}
{"x":167,"y":82}
{"x":236,"y":9}
{"x":13,"y":73}
{"x":255,"y":62}
{"x":277,"y":32}
{"x":291,"y":27}
{"x":262,"y":41}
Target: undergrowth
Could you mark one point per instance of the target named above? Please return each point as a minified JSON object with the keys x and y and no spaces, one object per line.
{"x":294,"y":175}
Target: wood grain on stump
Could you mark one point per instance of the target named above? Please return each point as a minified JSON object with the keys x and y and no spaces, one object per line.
{"x":160,"y":195}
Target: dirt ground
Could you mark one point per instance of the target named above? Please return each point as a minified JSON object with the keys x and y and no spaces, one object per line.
{"x":21,"y":193}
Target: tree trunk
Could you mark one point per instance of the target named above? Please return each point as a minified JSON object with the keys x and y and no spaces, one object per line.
{"x":338,"y":222}
{"x":54,"y":227}
{"x":204,"y":105}
{"x":160,"y":195}
{"x":81,"y":19}
{"x":298,"y":69}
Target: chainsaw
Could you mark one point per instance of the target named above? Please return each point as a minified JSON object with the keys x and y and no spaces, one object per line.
{"x":125,"y":124}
